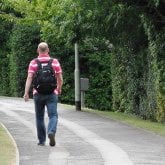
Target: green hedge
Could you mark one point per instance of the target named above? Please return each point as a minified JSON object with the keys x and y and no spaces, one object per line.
{"x":23,"y":43}
{"x":5,"y":30}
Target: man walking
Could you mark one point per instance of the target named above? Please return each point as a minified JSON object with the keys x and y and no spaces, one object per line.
{"x":45,"y":91}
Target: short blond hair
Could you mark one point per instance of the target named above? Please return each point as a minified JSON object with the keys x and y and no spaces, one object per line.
{"x":43,"y":47}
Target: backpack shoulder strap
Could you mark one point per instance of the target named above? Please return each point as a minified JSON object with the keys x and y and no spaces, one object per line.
{"x":50,"y":65}
{"x":38,"y":63}
{"x":50,"y":62}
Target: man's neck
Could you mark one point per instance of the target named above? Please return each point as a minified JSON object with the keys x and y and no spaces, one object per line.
{"x":43,"y":54}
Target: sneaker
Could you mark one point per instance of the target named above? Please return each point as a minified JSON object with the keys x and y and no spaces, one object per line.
{"x":41,"y":144}
{"x":52,"y":141}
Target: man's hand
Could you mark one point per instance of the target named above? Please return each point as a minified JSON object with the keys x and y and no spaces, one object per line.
{"x":59,"y":91}
{"x":26,"y":97}
{"x":27,"y":86}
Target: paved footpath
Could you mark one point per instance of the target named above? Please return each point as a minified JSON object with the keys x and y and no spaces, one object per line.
{"x":82,"y":138}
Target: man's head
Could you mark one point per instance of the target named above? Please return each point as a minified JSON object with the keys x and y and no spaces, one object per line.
{"x":43,"y":48}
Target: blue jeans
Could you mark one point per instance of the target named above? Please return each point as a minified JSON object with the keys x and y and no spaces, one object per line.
{"x":50,"y":101}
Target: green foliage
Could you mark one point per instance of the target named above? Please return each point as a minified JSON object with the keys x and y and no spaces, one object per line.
{"x":161,"y":79}
{"x":119,"y":79}
{"x":99,"y":74}
{"x":5,"y":29}
{"x":13,"y":79}
{"x":23,"y":42}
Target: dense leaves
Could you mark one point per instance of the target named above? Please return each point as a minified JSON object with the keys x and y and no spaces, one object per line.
{"x":23,"y":42}
{"x":5,"y":29}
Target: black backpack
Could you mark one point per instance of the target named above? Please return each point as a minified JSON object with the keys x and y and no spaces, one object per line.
{"x":44,"y":79}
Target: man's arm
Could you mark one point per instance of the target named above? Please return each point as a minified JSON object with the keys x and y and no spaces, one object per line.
{"x":27,"y":86}
{"x":59,"y":82}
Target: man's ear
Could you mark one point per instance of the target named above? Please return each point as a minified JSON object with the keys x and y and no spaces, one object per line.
{"x":37,"y":50}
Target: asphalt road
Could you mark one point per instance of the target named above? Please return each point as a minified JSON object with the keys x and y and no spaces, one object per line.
{"x":82,"y":138}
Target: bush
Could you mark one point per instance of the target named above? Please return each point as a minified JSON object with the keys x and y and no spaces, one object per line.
{"x":5,"y":30}
{"x":23,"y":43}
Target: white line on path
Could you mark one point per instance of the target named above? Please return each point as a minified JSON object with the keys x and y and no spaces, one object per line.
{"x":111,"y":153}
{"x":20,"y":119}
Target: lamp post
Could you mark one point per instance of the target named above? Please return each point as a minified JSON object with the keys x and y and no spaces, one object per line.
{"x":77,"y":80}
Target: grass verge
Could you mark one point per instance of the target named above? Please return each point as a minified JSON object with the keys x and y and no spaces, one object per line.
{"x":7,"y":148}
